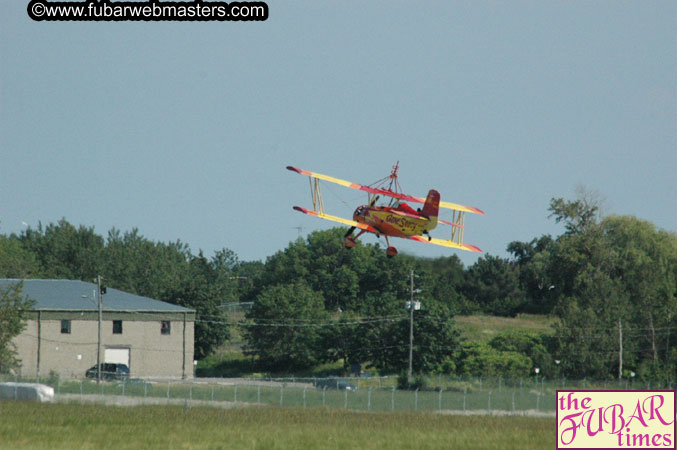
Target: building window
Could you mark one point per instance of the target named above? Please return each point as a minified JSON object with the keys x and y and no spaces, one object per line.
{"x":65,"y":327}
{"x":117,"y":327}
{"x":166,"y":327}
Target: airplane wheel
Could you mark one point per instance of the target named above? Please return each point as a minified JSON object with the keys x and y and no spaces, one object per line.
{"x":391,"y":252}
{"x":349,"y":242}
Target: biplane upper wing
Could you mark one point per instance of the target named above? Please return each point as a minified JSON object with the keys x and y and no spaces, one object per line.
{"x":456,"y":206}
{"x":348,"y":222}
{"x":371,"y":190}
{"x":445,"y":243}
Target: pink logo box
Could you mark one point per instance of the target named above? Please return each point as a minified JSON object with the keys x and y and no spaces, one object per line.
{"x":594,"y":419}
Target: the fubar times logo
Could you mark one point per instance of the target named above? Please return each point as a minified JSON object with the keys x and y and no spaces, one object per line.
{"x":616,"y":419}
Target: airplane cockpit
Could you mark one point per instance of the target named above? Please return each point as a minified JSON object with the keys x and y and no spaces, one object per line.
{"x":359,"y":212}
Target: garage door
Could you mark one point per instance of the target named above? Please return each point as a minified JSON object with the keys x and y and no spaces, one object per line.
{"x":117,"y":355}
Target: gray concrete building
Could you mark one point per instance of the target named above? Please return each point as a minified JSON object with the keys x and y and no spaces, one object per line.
{"x":154,"y":338}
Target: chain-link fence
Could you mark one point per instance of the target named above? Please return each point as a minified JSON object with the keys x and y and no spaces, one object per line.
{"x":494,"y":395}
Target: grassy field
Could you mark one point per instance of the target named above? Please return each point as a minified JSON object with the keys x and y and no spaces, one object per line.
{"x":483,"y":328}
{"x":228,"y":361}
{"x":64,"y":426}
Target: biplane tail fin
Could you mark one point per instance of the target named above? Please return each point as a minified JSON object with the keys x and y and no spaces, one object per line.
{"x":431,"y":208}
{"x":432,"y":204}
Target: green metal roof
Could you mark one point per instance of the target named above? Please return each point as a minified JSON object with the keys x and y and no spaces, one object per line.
{"x":69,"y":295}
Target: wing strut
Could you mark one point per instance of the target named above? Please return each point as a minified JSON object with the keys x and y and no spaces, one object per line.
{"x":316,"y":194}
{"x":458,"y":225}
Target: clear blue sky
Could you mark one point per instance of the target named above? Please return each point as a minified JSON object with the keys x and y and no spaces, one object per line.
{"x":184,"y":129}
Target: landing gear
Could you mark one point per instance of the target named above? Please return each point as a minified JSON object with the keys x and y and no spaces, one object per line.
{"x":350,"y":241}
{"x":430,"y":238}
{"x":390,"y":251}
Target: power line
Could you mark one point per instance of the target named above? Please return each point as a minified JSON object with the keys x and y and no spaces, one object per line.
{"x":301,"y":325}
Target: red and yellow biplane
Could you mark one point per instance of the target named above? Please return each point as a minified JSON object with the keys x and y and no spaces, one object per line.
{"x":394,"y":219}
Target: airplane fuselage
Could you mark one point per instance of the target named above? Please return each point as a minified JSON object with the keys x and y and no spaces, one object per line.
{"x":392,"y":223}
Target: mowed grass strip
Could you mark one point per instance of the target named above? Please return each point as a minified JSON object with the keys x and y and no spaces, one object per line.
{"x":482,"y":328}
{"x":67,"y":426}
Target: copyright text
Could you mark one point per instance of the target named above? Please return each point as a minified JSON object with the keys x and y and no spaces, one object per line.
{"x":152,"y":10}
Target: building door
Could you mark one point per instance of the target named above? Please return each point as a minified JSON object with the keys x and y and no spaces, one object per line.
{"x":117,"y":356}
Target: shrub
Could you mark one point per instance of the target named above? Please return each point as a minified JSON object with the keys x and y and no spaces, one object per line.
{"x":481,"y":360}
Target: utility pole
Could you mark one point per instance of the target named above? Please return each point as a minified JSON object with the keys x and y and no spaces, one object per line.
{"x":620,"y":349}
{"x":411,"y":305}
{"x":98,"y":350}
{"x":411,"y":323}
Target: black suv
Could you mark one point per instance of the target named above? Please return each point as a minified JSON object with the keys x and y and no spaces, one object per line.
{"x":110,"y":372}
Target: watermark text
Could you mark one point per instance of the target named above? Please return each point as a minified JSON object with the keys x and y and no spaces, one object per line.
{"x":616,"y":419}
{"x":152,"y":10}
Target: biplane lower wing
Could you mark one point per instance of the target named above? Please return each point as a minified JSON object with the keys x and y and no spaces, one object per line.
{"x":350,"y":223}
{"x":445,"y":243}
{"x":371,"y":190}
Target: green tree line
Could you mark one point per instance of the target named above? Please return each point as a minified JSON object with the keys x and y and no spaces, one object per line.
{"x":610,"y":282}
{"x":130,"y":262}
